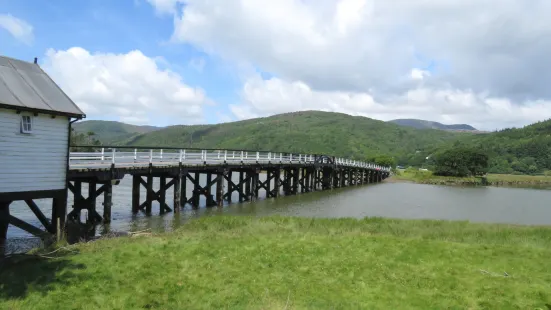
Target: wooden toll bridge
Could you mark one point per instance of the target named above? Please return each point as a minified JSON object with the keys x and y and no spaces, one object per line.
{"x":35,"y":129}
{"x":286,"y":174}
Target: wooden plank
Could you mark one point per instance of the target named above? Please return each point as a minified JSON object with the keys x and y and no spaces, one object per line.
{"x":40,"y":216}
{"x":28,"y":227}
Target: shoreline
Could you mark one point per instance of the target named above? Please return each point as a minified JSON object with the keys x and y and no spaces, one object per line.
{"x":494,"y":180}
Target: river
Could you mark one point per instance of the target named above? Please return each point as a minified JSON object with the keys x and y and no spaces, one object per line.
{"x":523,"y":206}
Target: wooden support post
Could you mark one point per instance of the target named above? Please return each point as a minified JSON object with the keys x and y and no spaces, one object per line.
{"x":305,"y":180}
{"x":59,"y":214}
{"x":77,"y":201}
{"x":254,"y":186}
{"x":149,"y":196}
{"x":326,"y":178}
{"x":313,"y":179}
{"x":196,"y":189}
{"x":183,"y":191}
{"x":136,"y":186}
{"x":220,"y":189}
{"x":248,"y":185}
{"x":294,"y":177}
{"x":277,"y":181}
{"x":286,"y":181}
{"x":208,"y":191}
{"x":230,"y":188}
{"x":240,"y":186}
{"x":162,"y":194}
{"x":91,"y":200}
{"x":4,"y":224}
{"x":269,"y":178}
{"x":108,"y":202}
{"x":177,"y":192}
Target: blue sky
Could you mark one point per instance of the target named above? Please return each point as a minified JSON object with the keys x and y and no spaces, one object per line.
{"x":118,"y":27}
{"x":165,"y":62}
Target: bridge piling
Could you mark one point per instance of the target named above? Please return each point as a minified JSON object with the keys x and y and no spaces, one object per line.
{"x":241,"y":186}
{"x":277,"y":182}
{"x":220,"y":189}
{"x":162,"y":194}
{"x":149,"y":195}
{"x":177,"y":192}
{"x":107,"y":202}
{"x":136,"y":184}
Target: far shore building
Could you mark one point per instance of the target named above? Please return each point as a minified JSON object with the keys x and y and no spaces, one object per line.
{"x":35,"y":126}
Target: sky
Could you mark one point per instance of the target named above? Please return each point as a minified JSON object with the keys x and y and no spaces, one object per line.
{"x":164,"y":62}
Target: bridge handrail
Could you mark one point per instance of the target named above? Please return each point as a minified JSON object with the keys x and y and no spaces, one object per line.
{"x":140,"y":156}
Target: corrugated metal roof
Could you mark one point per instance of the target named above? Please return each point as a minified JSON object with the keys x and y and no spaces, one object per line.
{"x":26,"y":85}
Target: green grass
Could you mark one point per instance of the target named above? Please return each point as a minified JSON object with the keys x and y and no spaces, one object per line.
{"x":225,"y":262}
{"x":426,"y":177}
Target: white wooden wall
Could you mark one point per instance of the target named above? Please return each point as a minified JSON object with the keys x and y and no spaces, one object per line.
{"x":36,"y":161}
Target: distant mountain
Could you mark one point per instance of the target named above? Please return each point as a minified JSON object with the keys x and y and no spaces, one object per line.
{"x":422,"y":124}
{"x":111,"y":132}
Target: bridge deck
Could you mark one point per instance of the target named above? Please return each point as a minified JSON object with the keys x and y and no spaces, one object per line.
{"x":126,"y":158}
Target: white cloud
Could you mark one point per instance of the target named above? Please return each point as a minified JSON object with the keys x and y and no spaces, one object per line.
{"x":129,"y":86}
{"x":418,"y":74}
{"x":18,"y":28}
{"x":441,"y":51}
{"x":267,"y":97}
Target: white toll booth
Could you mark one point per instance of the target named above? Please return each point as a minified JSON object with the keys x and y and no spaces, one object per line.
{"x":35,"y":127}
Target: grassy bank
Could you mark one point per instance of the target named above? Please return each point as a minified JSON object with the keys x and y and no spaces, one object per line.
{"x":426,"y":177}
{"x":293,"y":263}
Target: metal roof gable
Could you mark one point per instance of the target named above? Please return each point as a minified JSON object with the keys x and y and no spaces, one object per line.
{"x":26,"y":86}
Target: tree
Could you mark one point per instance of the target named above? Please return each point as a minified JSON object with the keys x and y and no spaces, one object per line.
{"x":461,"y":162}
{"x":384,"y":160}
{"x":79,"y":138}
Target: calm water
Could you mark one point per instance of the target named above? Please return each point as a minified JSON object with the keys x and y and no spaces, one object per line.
{"x":395,"y":200}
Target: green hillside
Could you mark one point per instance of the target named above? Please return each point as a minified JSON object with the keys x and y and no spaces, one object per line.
{"x":305,"y":132}
{"x":111,"y":132}
{"x":422,"y":124}
{"x":522,"y":150}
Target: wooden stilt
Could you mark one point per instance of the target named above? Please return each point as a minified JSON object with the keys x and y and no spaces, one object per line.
{"x":230,"y":186}
{"x":241,"y":180}
{"x":269,"y":178}
{"x":91,"y":200}
{"x":277,"y":182}
{"x":107,"y":202}
{"x":136,"y":186}
{"x":177,"y":192}
{"x":220,"y":189}
{"x":183,"y":191}
{"x":4,"y":223}
{"x":196,"y":189}
{"x":248,"y":185}
{"x":162,"y":194}
{"x":149,"y":196}
{"x":77,"y":201}
{"x":59,"y":214}
{"x":254,"y":184}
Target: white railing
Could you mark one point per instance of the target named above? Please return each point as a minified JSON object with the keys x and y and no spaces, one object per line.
{"x":139,"y":157}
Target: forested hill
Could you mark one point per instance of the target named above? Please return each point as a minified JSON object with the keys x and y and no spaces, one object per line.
{"x":305,"y":132}
{"x":522,"y":150}
{"x":422,"y":124}
{"x":111,"y":132}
